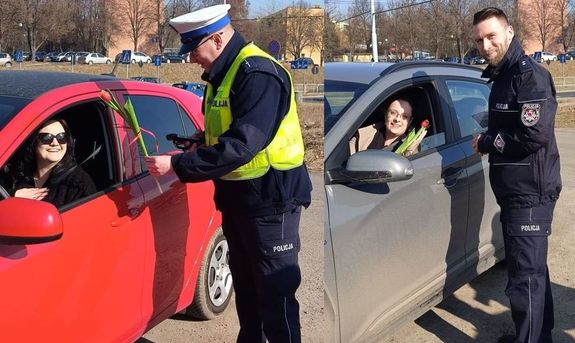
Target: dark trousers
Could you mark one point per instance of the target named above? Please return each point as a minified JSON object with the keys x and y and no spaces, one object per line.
{"x":525,"y":232}
{"x":264,"y":265}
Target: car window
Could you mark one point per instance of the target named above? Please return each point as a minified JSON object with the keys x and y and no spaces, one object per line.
{"x":160,"y":116}
{"x":92,"y":133}
{"x":470,"y":102}
{"x":421,"y":99}
{"x":338,"y":97}
{"x":189,"y":127}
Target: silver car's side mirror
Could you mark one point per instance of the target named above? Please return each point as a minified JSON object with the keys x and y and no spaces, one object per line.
{"x":373,"y":166}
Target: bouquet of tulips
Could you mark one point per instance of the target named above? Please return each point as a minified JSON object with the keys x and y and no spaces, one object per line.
{"x":411,"y":142}
{"x":127,"y":112}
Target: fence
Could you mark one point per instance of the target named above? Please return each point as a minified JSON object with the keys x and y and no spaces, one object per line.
{"x":309,"y":88}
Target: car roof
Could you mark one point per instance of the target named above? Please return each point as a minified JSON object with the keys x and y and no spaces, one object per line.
{"x":31,"y":84}
{"x":368,"y":72}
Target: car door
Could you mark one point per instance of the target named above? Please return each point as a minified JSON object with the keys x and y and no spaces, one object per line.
{"x":469,"y":102}
{"x":87,"y":285}
{"x":396,"y":244}
{"x":179,"y":213}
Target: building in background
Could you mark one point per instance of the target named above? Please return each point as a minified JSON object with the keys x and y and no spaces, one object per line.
{"x":540,"y":25}
{"x":298,"y":30}
{"x":133,"y":22}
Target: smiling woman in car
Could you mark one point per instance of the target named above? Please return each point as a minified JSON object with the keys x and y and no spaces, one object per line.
{"x":45,"y":168}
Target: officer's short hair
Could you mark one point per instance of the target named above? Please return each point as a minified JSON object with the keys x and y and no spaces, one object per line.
{"x":487,"y":13}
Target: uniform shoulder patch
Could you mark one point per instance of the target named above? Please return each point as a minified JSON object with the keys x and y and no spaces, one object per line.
{"x":525,"y":64}
{"x":530,"y":114}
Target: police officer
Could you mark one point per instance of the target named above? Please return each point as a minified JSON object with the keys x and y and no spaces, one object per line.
{"x":524,"y":169}
{"x":254,"y":153}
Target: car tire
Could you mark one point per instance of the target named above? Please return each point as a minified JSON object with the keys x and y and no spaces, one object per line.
{"x":8,"y":65}
{"x":108,"y":61}
{"x":214,"y":287}
{"x":183,"y":60}
{"x":168,"y":61}
{"x":133,"y":61}
{"x":90,"y":62}
{"x":149,"y":60}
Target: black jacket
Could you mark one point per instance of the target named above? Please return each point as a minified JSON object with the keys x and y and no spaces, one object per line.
{"x":259,"y":100}
{"x":64,"y":188}
{"x":520,"y":139}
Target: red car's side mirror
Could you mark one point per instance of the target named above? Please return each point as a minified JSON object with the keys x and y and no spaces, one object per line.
{"x":26,"y":221}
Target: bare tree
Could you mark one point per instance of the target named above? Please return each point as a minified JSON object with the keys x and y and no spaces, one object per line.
{"x":330,"y":42}
{"x":303,"y":29}
{"x":140,"y":17}
{"x":541,"y":16}
{"x":564,"y":8}
{"x":39,"y":20}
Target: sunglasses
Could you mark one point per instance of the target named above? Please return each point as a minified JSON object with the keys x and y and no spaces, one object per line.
{"x":189,"y":40}
{"x":47,"y":138}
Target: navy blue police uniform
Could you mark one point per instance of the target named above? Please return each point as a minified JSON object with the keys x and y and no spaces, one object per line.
{"x":525,"y":178}
{"x":260,"y":216}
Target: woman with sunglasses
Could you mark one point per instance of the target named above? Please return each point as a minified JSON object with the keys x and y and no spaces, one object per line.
{"x":46,"y":168}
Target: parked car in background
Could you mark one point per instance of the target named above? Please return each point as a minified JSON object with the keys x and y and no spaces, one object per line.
{"x":570,"y":55}
{"x":138,"y":56}
{"x":173,"y":58}
{"x":150,"y":79}
{"x":94,"y":57}
{"x":39,"y":56}
{"x":194,"y":87}
{"x":51,"y":56}
{"x":544,"y":56}
{"x":112,"y":265}
{"x":474,"y":60}
{"x":62,"y":57}
{"x":378,"y":204}
{"x":5,"y":59}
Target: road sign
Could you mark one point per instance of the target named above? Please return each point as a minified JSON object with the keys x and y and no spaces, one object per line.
{"x":126,"y":57}
{"x":157,"y":60}
{"x":562,"y":58}
{"x":274,"y":47}
{"x":298,"y":64}
{"x":19,"y":56}
{"x":315,"y":70}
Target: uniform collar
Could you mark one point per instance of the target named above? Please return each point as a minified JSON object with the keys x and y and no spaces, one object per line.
{"x":512,"y":56}
{"x":225,"y":60}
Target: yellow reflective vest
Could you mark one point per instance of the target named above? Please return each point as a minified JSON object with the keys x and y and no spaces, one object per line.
{"x":286,"y":150}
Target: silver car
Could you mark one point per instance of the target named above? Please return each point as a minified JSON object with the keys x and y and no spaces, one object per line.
{"x":403,"y":233}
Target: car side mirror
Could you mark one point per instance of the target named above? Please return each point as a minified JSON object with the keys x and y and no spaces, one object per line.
{"x":373,"y":166}
{"x":42,"y":222}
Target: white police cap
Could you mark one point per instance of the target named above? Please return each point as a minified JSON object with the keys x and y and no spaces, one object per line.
{"x":196,"y":25}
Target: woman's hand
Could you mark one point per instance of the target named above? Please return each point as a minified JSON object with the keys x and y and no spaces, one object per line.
{"x":32,"y":193}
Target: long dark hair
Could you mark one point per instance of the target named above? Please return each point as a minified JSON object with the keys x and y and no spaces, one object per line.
{"x":25,"y":159}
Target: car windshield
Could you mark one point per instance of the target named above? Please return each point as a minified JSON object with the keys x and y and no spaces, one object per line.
{"x":9,"y":106}
{"x":339,"y":95}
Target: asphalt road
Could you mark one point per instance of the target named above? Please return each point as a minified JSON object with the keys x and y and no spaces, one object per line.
{"x":479,"y":311}
{"x":224,"y":328}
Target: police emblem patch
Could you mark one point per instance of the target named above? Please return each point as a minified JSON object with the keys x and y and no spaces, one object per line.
{"x":499,"y":143}
{"x":530,"y":114}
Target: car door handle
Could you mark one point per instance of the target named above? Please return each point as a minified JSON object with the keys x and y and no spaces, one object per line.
{"x":450,"y":176}
{"x":132,"y":213}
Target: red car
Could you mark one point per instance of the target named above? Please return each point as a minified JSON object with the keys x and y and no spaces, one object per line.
{"x":110,"y":266}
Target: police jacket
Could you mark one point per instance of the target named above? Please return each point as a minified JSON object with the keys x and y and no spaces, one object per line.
{"x":520,"y":139}
{"x":259,"y":100}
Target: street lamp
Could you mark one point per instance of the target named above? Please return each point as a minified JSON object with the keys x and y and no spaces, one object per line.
{"x":385,"y":50}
